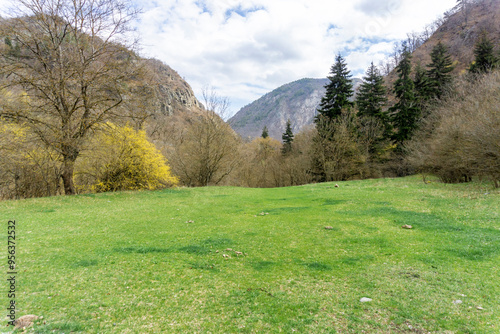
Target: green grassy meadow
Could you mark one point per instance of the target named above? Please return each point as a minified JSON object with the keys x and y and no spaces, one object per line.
{"x":131,"y":262}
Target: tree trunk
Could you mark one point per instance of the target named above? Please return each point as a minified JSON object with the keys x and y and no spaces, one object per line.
{"x":67,"y":176}
{"x":69,"y":157}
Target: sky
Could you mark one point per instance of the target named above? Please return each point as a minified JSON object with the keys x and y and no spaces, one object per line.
{"x":244,"y":49}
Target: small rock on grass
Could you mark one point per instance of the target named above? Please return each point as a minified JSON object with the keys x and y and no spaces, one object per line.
{"x":480,"y":308}
{"x":365,"y":300}
{"x":328,"y":227}
{"x":26,"y":321}
{"x":457,"y":302}
{"x":408,"y":227}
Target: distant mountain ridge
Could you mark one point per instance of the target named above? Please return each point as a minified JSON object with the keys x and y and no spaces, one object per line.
{"x":296,"y":101}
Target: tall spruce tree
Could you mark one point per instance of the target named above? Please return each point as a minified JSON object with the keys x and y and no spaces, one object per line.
{"x":439,"y":70}
{"x":338,"y":91}
{"x":405,"y":113}
{"x":265,"y":132}
{"x":423,"y":89}
{"x":485,"y":60}
{"x":372,"y":96}
{"x":287,"y":139}
{"x":371,"y":100}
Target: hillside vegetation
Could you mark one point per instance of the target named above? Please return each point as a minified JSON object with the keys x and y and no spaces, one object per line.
{"x":57,"y":111}
{"x":153,"y":262}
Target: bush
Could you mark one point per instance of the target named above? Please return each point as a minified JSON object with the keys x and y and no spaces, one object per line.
{"x":460,"y":139}
{"x":27,"y":167}
{"x":260,"y":165}
{"x":120,"y":158}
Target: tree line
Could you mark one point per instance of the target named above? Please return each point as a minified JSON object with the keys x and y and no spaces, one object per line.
{"x":381,"y":131}
{"x":77,"y":115}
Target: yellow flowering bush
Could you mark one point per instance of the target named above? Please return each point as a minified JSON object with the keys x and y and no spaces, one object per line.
{"x":121,"y":158}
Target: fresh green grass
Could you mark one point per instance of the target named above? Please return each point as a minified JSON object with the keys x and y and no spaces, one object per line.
{"x":130,"y":263}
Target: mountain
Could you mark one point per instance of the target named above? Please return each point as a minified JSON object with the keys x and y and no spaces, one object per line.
{"x":296,"y":101}
{"x":459,"y":31}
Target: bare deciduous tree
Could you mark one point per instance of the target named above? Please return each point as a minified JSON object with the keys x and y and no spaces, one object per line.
{"x":69,"y":58}
{"x":206,"y":152}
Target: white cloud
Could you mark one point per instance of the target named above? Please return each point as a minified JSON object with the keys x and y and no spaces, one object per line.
{"x":247,"y":48}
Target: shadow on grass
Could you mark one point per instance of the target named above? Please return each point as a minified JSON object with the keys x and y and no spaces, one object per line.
{"x":195,"y":249}
{"x":287,"y":209}
{"x":217,"y":242}
{"x":206,"y":246}
{"x":333,"y":202}
{"x":203,"y":266}
{"x":354,"y":260}
{"x":263,"y":265}
{"x":142,"y":250}
{"x":313,"y":266}
{"x":85,"y":263}
{"x":317,"y":266}
{"x":475,"y":252}
{"x":68,"y":327}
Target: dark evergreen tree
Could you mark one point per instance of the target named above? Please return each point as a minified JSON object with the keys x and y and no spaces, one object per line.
{"x":405,"y":113}
{"x":265,"y":133}
{"x":486,"y":60}
{"x":372,"y":97}
{"x":338,"y":91}
{"x":439,"y":70}
{"x":423,"y":89}
{"x":287,"y":139}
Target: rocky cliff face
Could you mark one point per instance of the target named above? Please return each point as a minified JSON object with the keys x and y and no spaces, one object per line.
{"x":173,"y":94}
{"x":296,"y":101}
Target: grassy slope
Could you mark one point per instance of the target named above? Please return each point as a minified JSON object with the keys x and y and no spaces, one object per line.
{"x":129,"y":262}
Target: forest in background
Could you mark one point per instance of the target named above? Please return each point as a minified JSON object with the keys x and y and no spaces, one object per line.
{"x":78,"y":115}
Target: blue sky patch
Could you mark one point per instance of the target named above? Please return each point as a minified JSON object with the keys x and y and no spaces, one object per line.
{"x":243,"y":12}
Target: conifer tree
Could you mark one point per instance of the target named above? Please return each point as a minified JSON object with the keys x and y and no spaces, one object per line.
{"x":265,"y":133}
{"x":423,"y":90}
{"x":439,"y":70}
{"x":486,"y":60}
{"x":405,"y":113}
{"x":338,"y":91}
{"x":287,"y":139}
{"x":372,"y":96}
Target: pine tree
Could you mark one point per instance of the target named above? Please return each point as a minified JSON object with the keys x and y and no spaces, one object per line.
{"x":371,"y":99}
{"x":372,"y":96}
{"x":338,"y":91}
{"x":439,"y":70}
{"x":265,"y":133}
{"x":423,"y":90}
{"x":486,"y":60}
{"x":405,"y":113}
{"x":287,"y":139}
